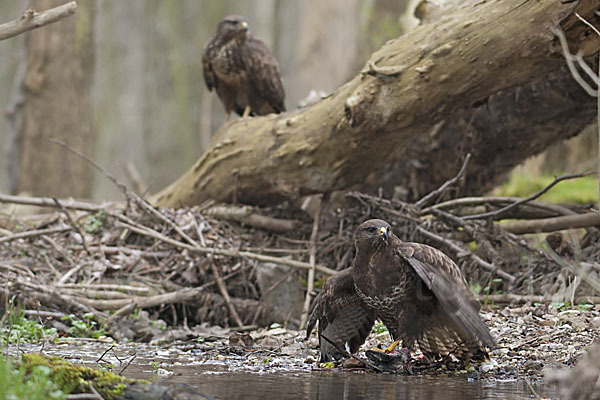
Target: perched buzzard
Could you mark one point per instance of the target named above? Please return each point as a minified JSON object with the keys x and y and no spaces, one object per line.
{"x":415,"y":290}
{"x":242,"y":70}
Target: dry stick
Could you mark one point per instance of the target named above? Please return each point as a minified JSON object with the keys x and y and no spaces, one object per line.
{"x":75,"y":225}
{"x":94,"y":164}
{"x":50,"y":202}
{"x":223,"y":289}
{"x":33,"y":233}
{"x":312,"y":261}
{"x":500,"y":212}
{"x":69,"y":273}
{"x":224,"y":252}
{"x":55,"y":295}
{"x":246,"y":215}
{"x":439,"y":191}
{"x":32,"y":19}
{"x":108,"y":286}
{"x":457,"y":249}
{"x":553,"y":224}
{"x":569,"y":59}
{"x":477,"y":201}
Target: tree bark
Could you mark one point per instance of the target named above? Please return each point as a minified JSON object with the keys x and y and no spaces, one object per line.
{"x":409,"y":91}
{"x":57,"y":105}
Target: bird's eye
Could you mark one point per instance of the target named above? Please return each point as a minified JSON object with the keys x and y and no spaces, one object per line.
{"x":371,"y":229}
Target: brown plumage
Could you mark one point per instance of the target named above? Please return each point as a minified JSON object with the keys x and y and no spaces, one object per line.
{"x":242,"y":70}
{"x":415,"y":290}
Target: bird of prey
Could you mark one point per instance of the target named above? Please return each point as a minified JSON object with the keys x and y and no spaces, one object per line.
{"x":415,"y":290}
{"x":242,"y":70}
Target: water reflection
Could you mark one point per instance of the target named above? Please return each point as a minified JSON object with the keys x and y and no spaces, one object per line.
{"x":346,"y":385}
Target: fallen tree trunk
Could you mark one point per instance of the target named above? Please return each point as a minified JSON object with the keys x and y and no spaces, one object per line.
{"x":409,"y":90}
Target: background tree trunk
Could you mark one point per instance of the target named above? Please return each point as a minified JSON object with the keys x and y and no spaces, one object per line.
{"x":417,"y":85}
{"x":57,"y":105}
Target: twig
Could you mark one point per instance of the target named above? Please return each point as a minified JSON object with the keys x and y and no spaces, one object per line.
{"x":519,"y":298}
{"x":108,"y":286}
{"x":502,"y":211}
{"x":440,"y":191}
{"x":245,"y":215}
{"x":33,"y":233}
{"x":32,"y":20}
{"x":347,"y":354}
{"x":535,"y":394}
{"x":312,"y":260}
{"x":54,"y":295}
{"x":496,"y":200}
{"x":114,"y":180}
{"x":69,"y":273}
{"x":223,"y":289}
{"x":224,"y":252}
{"x":553,"y":224}
{"x":50,"y":202}
{"x":458,"y":250}
{"x":75,"y":225}
{"x":569,"y":59}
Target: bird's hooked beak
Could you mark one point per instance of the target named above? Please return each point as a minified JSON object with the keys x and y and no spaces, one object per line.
{"x":383,"y":233}
{"x":244,"y":25}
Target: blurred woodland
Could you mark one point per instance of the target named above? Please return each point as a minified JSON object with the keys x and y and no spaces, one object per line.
{"x":147,"y":113}
{"x":149,"y":107}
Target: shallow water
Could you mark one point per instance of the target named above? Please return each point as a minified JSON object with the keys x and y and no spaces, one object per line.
{"x":235,"y":377}
{"x":343,"y":385}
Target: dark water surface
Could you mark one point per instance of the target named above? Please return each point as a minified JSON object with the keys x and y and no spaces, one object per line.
{"x":231,"y":378}
{"x":339,"y":385}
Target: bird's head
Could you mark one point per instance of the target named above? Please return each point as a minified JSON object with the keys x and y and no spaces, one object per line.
{"x":372,"y":233}
{"x":232,"y":27}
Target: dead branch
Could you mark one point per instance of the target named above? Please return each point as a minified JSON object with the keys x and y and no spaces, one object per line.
{"x":553,"y":224}
{"x":33,"y":233}
{"x":223,"y":289}
{"x":245,"y":215}
{"x":32,"y":20}
{"x":497,"y":214}
{"x":50,"y":202}
{"x":569,"y":58}
{"x":107,"y":286}
{"x":312,"y":261}
{"x":74,"y":224}
{"x":440,"y":191}
{"x":497,"y":201}
{"x":224,"y":252}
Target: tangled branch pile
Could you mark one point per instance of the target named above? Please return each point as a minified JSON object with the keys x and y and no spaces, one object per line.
{"x":208,"y":264}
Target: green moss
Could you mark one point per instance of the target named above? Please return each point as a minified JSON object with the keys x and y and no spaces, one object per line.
{"x":582,"y":190}
{"x":16,"y":383}
{"x":78,"y":378}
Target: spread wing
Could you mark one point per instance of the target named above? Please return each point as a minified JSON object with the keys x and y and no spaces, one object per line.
{"x":263,"y":70}
{"x":442,"y":276}
{"x":343,"y":318}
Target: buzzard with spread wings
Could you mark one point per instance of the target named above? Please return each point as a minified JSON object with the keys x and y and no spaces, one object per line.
{"x":242,"y":70}
{"x":415,"y":290}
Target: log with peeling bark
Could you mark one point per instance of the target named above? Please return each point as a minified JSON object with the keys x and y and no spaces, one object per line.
{"x":486,"y":79}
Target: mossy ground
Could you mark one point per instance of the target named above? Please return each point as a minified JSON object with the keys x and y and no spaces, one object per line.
{"x":66,"y":377}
